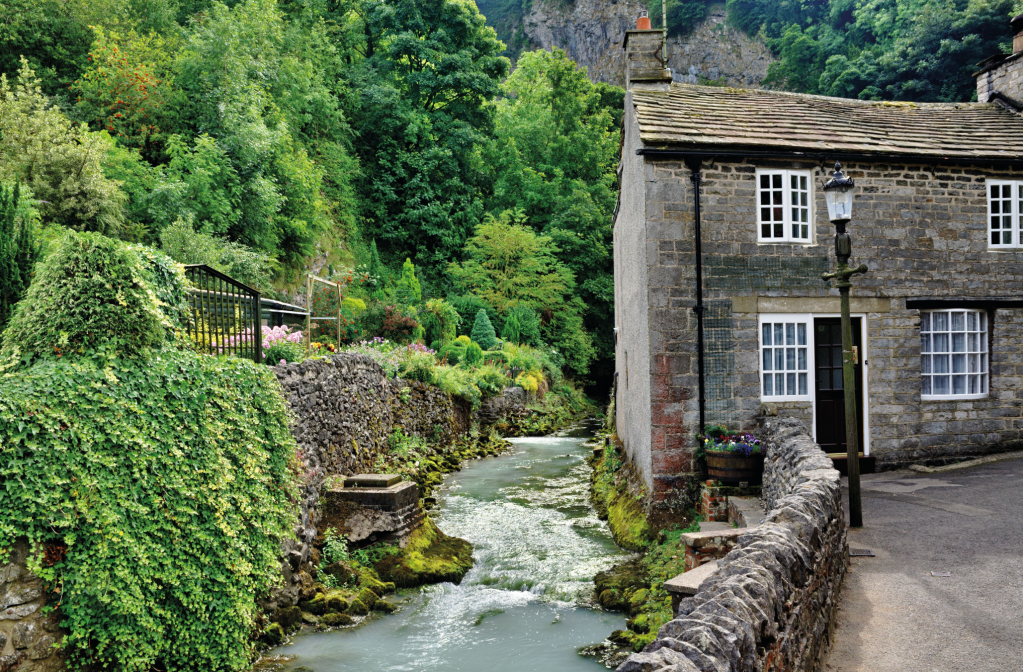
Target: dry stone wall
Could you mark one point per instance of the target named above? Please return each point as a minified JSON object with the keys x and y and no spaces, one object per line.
{"x":28,"y":634}
{"x":771,"y":604}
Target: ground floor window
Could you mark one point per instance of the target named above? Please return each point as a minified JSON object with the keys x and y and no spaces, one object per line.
{"x":785,"y":358}
{"x":953,"y":354}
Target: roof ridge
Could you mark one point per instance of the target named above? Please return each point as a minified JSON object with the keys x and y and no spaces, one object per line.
{"x":679,"y":86}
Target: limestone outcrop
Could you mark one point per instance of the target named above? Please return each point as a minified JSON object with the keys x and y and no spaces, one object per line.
{"x":592,"y":32}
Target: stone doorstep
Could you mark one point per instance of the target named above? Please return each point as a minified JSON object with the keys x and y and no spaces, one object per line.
{"x":715,"y":526}
{"x":372,"y":480}
{"x":686,"y":584}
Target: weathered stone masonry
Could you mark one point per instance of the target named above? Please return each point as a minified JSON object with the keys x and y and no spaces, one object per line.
{"x":345,"y":408}
{"x":771,"y":604}
{"x":922,"y":231}
{"x":27,"y":633}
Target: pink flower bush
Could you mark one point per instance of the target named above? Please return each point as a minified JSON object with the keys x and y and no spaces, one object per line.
{"x":280,"y":334}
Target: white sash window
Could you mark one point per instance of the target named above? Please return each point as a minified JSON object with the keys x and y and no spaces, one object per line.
{"x":953,"y":354}
{"x":1005,"y":210}
{"x":784,"y":206}
{"x":785,"y":358}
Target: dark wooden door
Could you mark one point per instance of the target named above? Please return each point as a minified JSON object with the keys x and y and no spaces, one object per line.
{"x":830,"y":388}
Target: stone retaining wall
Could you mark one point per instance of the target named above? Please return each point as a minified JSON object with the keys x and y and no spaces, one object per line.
{"x":27,"y":634}
{"x":345,"y":408}
{"x":771,"y":604}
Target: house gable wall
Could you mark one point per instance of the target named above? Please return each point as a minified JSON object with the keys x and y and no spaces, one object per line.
{"x":632,"y":405}
{"x":921,"y":229}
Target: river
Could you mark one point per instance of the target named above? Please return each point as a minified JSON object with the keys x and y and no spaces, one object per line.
{"x":526,"y":603}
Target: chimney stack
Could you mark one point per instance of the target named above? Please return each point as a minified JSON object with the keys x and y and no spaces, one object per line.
{"x":1001,"y":77}
{"x":645,"y":63}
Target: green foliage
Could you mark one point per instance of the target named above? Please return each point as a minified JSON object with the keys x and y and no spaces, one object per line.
{"x":419,"y":366}
{"x":491,"y":380}
{"x":60,"y":161}
{"x":432,"y":66}
{"x":19,"y":248}
{"x":90,"y":293}
{"x":169,"y":480}
{"x":440,"y":321}
{"x":408,"y":291}
{"x":553,"y":158}
{"x":483,"y":332}
{"x":528,"y":323}
{"x":283,"y":351}
{"x":683,"y":15}
{"x":916,"y":50}
{"x":473,"y":353}
{"x":458,"y":382}
{"x":49,"y":36}
{"x":511,"y":330}
{"x":376,"y":271}
{"x":182,"y":243}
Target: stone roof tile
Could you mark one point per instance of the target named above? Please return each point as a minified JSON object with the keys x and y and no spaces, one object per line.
{"x":690,"y":115}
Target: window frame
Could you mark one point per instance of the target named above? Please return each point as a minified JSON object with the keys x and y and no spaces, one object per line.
{"x":806,"y":319}
{"x":1016,"y":217}
{"x":983,"y":352}
{"x":786,"y":206}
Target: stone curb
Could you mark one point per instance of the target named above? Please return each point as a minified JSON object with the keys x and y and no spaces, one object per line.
{"x":966,"y":465}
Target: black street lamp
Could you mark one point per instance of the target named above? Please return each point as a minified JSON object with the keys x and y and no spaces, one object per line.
{"x":838,"y":192}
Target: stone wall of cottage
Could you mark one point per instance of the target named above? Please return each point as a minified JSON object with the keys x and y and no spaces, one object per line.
{"x":771,"y":604}
{"x":922,"y":231}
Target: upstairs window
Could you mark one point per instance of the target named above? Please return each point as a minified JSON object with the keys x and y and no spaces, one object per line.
{"x":785,"y":204}
{"x":1004,"y":209}
{"x":953,"y":354}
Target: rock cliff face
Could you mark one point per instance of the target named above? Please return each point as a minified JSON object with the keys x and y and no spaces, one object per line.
{"x":592,"y":31}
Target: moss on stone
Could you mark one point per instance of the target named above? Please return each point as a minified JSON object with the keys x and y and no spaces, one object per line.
{"x":619,"y":501}
{"x":358,"y":608}
{"x":337,"y":620}
{"x":430,"y":556}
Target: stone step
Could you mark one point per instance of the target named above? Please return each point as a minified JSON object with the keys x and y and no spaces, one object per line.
{"x":686,"y":584}
{"x":372,"y":480}
{"x":746,"y":511}
{"x":713,"y":526}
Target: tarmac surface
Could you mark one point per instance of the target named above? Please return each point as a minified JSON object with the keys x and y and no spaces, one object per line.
{"x":894,"y":615}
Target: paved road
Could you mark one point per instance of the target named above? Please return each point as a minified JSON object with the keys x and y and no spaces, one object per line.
{"x":894,"y":616}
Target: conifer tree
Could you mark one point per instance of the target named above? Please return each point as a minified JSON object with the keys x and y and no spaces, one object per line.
{"x":18,"y":250}
{"x":376,"y":269}
{"x":408,"y":293}
{"x":511,"y":329}
{"x":483,"y":331}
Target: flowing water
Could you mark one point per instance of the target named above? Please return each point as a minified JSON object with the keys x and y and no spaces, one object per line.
{"x":525,"y":605}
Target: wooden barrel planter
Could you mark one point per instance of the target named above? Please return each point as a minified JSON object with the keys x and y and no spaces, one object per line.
{"x":732,"y":469}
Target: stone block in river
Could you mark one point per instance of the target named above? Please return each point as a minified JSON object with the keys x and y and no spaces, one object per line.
{"x":367,"y":513}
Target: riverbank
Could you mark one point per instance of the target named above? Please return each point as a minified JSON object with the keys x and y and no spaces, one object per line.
{"x":635,"y":586}
{"x":330,"y":598}
{"x":537,"y":544}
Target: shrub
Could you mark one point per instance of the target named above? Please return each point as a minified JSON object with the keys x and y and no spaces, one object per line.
{"x":464,"y":340}
{"x":454,"y":353}
{"x":390,"y":322}
{"x":528,"y":323}
{"x":458,"y":383}
{"x":440,"y":321}
{"x":523,"y":357}
{"x":243,"y":263}
{"x":90,"y":292}
{"x":408,"y":291}
{"x":483,"y":331}
{"x":529,"y":381}
{"x":473,"y":354}
{"x":419,"y":365}
{"x":491,"y":380}
{"x":164,"y":480}
{"x":356,"y":306}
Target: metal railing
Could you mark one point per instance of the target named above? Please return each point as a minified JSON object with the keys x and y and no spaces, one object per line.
{"x":224,"y":314}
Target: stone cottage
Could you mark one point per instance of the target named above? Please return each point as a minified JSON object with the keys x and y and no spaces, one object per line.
{"x":721,"y":236}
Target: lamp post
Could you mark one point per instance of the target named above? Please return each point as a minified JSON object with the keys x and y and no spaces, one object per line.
{"x":838,"y":192}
